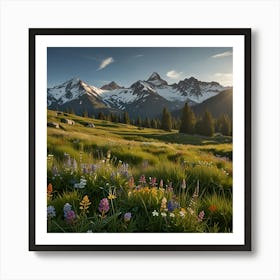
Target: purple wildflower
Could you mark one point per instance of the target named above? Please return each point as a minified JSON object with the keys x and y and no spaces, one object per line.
{"x":103,"y":206}
{"x":161,"y":183}
{"x":124,"y":169}
{"x":54,"y":170}
{"x":142,"y":179}
{"x":67,"y":207}
{"x":153,"y":181}
{"x":70,"y":216}
{"x":94,"y":167}
{"x":127,"y":217}
{"x":200,"y":216}
{"x":171,"y":205}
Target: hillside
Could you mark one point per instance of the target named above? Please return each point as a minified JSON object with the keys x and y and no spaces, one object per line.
{"x":217,"y":105}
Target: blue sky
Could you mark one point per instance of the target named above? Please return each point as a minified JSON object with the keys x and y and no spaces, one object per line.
{"x":98,"y":66}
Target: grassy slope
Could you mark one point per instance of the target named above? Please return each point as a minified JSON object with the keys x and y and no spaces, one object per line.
{"x":107,"y":135}
{"x":160,"y":149}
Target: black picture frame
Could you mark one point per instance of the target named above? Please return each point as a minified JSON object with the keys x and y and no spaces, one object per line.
{"x":246,"y":32}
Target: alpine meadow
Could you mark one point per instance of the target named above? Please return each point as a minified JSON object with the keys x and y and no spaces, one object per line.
{"x":141,"y":141}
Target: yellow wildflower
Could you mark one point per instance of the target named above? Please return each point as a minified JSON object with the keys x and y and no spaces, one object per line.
{"x":154,"y":191}
{"x":111,"y":196}
{"x":84,"y":204}
{"x":163,"y":203}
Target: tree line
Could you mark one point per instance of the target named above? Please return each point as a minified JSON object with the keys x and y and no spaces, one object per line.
{"x":203,"y":125}
{"x":188,"y":123}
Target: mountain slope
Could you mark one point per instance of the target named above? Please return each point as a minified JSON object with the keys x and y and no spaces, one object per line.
{"x":145,"y":98}
{"x":75,"y":95}
{"x":217,"y":105}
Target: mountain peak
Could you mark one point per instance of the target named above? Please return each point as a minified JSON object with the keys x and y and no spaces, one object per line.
{"x":111,"y":86}
{"x":73,"y":80}
{"x":156,"y":80}
{"x":154,"y":76}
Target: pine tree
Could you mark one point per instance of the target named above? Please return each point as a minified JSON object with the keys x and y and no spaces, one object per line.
{"x":166,"y":120}
{"x":109,"y":118}
{"x":187,"y":120}
{"x":101,"y":116}
{"x":72,"y":111}
{"x":224,"y":125}
{"x":207,"y":124}
{"x":126,"y":118}
{"x":153,"y":123}
{"x":147,"y":122}
{"x":85,"y":114}
{"x":139,"y":121}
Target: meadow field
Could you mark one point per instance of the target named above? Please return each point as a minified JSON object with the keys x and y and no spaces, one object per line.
{"x":117,"y":177}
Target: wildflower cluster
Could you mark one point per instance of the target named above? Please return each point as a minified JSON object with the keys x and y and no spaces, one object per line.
{"x":84,"y":205}
{"x":82,"y":184}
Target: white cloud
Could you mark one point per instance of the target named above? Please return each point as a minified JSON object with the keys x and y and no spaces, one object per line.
{"x":174,"y":74}
{"x":105,"y":62}
{"x":224,"y":54}
{"x":223,"y":78}
{"x":138,"y":55}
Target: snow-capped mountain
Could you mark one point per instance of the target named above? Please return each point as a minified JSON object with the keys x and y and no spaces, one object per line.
{"x":144,"y":97}
{"x":71,"y":90}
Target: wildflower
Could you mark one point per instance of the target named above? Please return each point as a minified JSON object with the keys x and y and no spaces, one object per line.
{"x":155,"y":213}
{"x":163,"y":214}
{"x":131,"y":182}
{"x":54,"y":170}
{"x":194,"y":196}
{"x":172,"y":215}
{"x":127,"y":217}
{"x":142,"y":179}
{"x":68,"y":160}
{"x":161,"y":183}
{"x":200,"y":216}
{"x":163,"y":203}
{"x":51,"y":211}
{"x":124,"y":169}
{"x":212,"y":208}
{"x":66,"y":208}
{"x":169,"y":188}
{"x":80,"y":185}
{"x":111,"y":196}
{"x":154,"y":191}
{"x":171,"y":205}
{"x":183,"y":186}
{"x":103,"y":206}
{"x":94,"y":167}
{"x":49,"y":188}
{"x":70,"y":216}
{"x":182,"y":212}
{"x":75,"y":165}
{"x":84,"y":204}
{"x":190,"y":210}
{"x":153,"y":181}
{"x":108,"y":154}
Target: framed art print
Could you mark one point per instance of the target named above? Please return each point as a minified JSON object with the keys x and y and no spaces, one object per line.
{"x":140,"y":139}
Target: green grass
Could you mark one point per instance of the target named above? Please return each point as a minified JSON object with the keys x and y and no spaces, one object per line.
{"x":168,"y":156}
